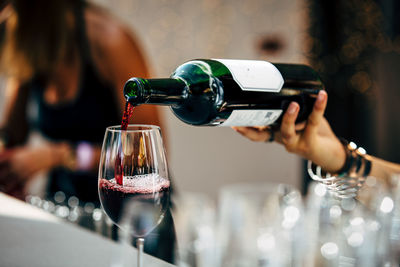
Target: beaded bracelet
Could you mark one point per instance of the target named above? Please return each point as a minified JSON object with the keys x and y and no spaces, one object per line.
{"x":350,"y":178}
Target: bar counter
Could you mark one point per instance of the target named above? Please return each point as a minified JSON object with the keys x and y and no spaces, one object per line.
{"x":32,"y":237}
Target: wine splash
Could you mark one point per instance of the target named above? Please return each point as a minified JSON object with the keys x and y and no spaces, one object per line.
{"x":119,"y":170}
{"x":127,"y":115}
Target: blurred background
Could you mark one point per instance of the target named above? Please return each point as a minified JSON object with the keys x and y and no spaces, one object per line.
{"x":353,"y":44}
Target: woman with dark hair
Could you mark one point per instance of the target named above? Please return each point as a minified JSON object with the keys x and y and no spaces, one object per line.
{"x":70,"y":59}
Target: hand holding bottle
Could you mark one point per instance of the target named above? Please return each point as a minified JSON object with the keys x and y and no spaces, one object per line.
{"x":239,"y":93}
{"x":312,"y":139}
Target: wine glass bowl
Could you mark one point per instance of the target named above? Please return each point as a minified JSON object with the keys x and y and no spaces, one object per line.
{"x":133,"y":178}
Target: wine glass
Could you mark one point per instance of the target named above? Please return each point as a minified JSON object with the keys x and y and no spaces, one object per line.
{"x":260,"y":224}
{"x":133,"y":180}
{"x":195,"y":230}
{"x":345,"y":232}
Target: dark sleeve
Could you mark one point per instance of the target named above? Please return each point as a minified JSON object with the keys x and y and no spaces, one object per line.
{"x":2,"y":33}
{"x":3,"y":5}
{"x":15,"y":128}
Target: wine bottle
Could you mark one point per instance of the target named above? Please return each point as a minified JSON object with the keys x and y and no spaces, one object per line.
{"x":226,"y":92}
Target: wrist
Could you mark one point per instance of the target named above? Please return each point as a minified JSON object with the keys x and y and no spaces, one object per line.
{"x":75,"y":158}
{"x":64,"y":156}
{"x":339,"y":160}
{"x":350,"y":178}
{"x":357,"y":161}
{"x":332,"y":158}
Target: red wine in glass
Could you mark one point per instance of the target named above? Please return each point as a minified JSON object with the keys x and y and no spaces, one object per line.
{"x":139,"y":204}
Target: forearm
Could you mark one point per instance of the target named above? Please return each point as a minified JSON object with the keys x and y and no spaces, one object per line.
{"x":331,"y":157}
{"x":27,"y":161}
{"x":81,"y":157}
{"x":384,"y":170}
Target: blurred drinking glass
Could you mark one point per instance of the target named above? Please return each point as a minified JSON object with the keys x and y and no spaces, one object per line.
{"x":394,"y":225}
{"x":260,"y":225}
{"x":195,"y":229}
{"x":344,"y":232}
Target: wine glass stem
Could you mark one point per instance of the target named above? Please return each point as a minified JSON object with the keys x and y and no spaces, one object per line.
{"x":139,"y":246}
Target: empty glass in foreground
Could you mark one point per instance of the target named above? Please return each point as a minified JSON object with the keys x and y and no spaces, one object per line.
{"x":260,"y":225}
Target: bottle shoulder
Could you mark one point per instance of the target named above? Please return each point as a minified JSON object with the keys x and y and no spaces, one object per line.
{"x":197,"y":70}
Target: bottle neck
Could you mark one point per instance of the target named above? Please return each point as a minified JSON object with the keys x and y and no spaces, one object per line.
{"x":167,"y":91}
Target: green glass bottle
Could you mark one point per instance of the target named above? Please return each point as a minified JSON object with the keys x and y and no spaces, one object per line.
{"x":225,"y":92}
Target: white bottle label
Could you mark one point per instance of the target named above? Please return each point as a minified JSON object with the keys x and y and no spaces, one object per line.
{"x":252,"y":117}
{"x":254,"y":75}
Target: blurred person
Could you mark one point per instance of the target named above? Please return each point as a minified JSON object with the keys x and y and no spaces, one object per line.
{"x":315,"y":140}
{"x":70,"y":60}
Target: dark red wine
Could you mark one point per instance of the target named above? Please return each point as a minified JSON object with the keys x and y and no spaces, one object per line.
{"x":127,"y":115}
{"x":139,"y":205}
{"x":119,"y":169}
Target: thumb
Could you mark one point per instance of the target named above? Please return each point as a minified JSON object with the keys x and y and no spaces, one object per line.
{"x":315,"y":118}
